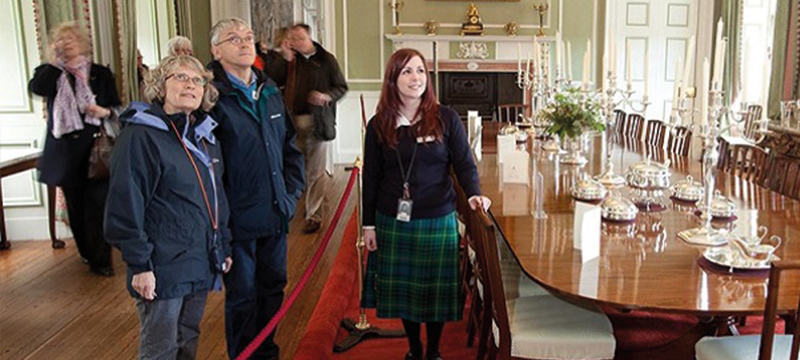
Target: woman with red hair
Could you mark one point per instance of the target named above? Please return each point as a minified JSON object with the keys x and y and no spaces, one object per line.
{"x":409,"y":203}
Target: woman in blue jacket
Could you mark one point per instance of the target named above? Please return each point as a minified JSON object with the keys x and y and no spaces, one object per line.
{"x":166,"y":210}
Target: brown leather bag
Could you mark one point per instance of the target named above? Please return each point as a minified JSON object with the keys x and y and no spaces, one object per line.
{"x":100,"y":155}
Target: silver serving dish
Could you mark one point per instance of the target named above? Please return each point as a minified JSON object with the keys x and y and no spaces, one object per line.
{"x":727,"y":257}
{"x":688,"y":190}
{"x":649,"y":175}
{"x":589,"y":190}
{"x":721,"y":206}
{"x":617,"y":208}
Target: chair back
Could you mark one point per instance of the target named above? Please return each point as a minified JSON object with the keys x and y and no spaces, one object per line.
{"x":680,"y":141}
{"x":751,"y":121}
{"x":483,"y":231}
{"x":655,"y":133}
{"x":635,"y":126}
{"x":784,"y":175}
{"x":749,"y":162}
{"x":771,"y":311}
{"x":511,"y":112}
{"x":724,"y":161}
{"x":620,"y":121}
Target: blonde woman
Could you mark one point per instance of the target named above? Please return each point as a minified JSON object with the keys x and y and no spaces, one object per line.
{"x":167,"y":211}
{"x":180,"y":45}
{"x":79,"y":95}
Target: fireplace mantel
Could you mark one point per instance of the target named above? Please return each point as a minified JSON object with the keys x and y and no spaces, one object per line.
{"x":490,"y":53}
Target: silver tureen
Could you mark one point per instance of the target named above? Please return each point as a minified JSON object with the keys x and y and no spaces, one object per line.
{"x":721,"y":206}
{"x":649,"y":175}
{"x":688,"y":190}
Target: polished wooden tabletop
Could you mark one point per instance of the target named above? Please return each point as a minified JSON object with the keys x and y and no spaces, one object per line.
{"x":644,"y":264}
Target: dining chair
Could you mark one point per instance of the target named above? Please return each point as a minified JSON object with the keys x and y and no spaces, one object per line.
{"x":749,"y":162}
{"x":511,"y":112}
{"x":724,"y":160}
{"x":784,"y":175}
{"x":538,"y":326}
{"x":766,"y":346}
{"x":620,"y":121}
{"x":680,"y":140}
{"x":635,"y":126}
{"x":751,"y":119}
{"x":654,"y":132}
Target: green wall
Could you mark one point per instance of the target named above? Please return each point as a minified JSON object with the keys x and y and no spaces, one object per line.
{"x":365,"y":35}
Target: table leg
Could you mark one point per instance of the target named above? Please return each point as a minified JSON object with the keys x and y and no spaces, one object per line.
{"x":4,"y":244}
{"x":51,"y":217}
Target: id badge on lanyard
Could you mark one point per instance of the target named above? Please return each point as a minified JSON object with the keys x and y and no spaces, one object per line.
{"x":405,"y":204}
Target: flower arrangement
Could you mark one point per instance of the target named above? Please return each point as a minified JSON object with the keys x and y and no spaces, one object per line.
{"x":572,"y":114}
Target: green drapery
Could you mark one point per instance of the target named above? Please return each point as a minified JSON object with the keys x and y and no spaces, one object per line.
{"x":779,"y":57}
{"x":732,"y":16}
{"x":125,"y":50}
{"x":183,"y":17}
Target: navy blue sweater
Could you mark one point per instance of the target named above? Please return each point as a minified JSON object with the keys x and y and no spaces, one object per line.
{"x":430,"y":182}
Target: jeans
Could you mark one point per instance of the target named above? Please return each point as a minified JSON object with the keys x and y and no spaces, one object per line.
{"x":170,"y":328}
{"x":254,"y":293}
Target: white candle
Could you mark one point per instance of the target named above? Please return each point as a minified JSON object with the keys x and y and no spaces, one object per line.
{"x":585,"y":71}
{"x":536,"y":59}
{"x":704,"y":92}
{"x":528,"y":65}
{"x":559,"y":67}
{"x":612,"y":58}
{"x":688,"y":64}
{"x":647,"y":70}
{"x":628,"y":73}
{"x":587,"y":62}
{"x":519,"y":59}
{"x":569,"y":60}
{"x":718,"y":54}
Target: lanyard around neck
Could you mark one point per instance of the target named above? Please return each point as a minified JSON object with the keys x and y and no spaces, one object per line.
{"x":199,"y":179}
{"x":406,"y":174}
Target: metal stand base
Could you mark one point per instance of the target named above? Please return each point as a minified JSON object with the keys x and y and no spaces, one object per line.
{"x":702,"y":236}
{"x":574,"y":159}
{"x":356,"y":335}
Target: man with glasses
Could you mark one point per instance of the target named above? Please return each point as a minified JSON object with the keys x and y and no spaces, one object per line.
{"x":263,"y":181}
{"x":314,"y":83}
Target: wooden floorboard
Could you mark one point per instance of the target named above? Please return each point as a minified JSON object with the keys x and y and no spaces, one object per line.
{"x":52,"y":307}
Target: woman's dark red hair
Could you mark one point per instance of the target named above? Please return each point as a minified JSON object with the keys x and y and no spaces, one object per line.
{"x":390,"y":103}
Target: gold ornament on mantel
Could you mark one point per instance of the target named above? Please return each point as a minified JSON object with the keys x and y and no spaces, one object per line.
{"x":542,"y":9}
{"x":511,"y":29}
{"x":431,"y":27}
{"x":473,"y":26}
{"x":396,"y":6}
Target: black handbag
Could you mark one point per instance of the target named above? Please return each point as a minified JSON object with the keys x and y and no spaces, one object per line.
{"x":100,"y":155}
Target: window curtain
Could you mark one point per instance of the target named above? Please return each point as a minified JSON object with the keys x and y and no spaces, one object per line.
{"x":125,"y":43}
{"x":793,"y":66}
{"x":183,"y":16}
{"x":781,"y":57}
{"x":732,"y":16}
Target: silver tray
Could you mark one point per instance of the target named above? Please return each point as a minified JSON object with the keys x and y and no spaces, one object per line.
{"x":724,"y":256}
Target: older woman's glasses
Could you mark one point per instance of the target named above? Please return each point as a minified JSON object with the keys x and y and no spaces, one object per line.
{"x":197,"y":80}
{"x":238,"y":40}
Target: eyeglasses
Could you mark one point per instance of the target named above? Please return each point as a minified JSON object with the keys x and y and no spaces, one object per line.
{"x":249,"y":39}
{"x":197,"y":80}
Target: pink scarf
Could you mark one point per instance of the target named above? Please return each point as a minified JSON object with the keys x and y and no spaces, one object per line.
{"x":69,"y":104}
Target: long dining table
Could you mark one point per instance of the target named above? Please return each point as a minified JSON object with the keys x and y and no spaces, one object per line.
{"x":643,"y":264}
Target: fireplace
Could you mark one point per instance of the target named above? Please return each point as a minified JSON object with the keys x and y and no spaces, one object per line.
{"x":481,"y":91}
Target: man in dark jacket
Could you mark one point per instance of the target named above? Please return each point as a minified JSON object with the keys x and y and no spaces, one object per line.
{"x":263,"y":181}
{"x":314,"y":83}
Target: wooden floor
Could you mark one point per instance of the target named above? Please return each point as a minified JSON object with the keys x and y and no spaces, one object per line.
{"x":52,"y":307}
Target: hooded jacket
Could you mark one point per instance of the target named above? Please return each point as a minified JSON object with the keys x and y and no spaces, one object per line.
{"x":264,"y":175}
{"x":156,"y":212}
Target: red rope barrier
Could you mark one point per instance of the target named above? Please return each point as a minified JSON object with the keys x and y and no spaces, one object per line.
{"x":306,"y":275}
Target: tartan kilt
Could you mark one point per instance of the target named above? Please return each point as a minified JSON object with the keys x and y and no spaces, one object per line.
{"x":414,"y":274}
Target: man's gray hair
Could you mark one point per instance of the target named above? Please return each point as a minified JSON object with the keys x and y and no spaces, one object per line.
{"x":178,"y":42}
{"x":226,"y":24}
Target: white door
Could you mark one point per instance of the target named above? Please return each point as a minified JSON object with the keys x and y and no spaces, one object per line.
{"x":22,"y":124}
{"x":661,"y":28}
